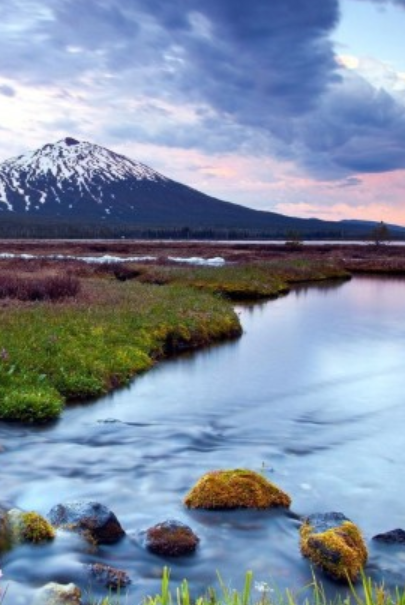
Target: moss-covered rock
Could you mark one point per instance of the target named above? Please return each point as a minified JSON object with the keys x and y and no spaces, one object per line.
{"x":5,"y":531}
{"x":335,"y":544}
{"x":29,"y":527}
{"x":171,"y":539}
{"x":237,"y":488}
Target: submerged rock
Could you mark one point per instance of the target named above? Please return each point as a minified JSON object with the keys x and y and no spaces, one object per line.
{"x":58,"y":594}
{"x":29,"y":527}
{"x":237,"y":488}
{"x":109,"y":577}
{"x":394,"y":536}
{"x":95,"y":521}
{"x":171,"y":539}
{"x":335,"y":544}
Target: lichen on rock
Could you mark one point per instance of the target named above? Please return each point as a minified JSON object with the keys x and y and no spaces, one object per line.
{"x":5,"y":531}
{"x":29,"y":527}
{"x":335,"y":544}
{"x":237,"y":488}
{"x":171,"y":538}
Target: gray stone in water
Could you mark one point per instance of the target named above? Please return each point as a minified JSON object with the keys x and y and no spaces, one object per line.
{"x":109,"y":577}
{"x":321,"y":522}
{"x":394,"y":536}
{"x":89,"y":518}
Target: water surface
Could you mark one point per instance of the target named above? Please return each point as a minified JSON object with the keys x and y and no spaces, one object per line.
{"x":312,"y":395}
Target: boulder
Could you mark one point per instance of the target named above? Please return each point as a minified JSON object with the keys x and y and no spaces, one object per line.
{"x":95,"y":521}
{"x":109,"y":577}
{"x":29,"y":527}
{"x":171,"y":539}
{"x":335,"y":544}
{"x":58,"y":594}
{"x":237,"y":488}
{"x":394,"y":536}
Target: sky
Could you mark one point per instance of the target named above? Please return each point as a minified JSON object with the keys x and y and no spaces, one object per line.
{"x":289,"y":106}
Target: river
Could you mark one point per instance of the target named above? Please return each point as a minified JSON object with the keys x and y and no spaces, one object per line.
{"x":312,"y":395}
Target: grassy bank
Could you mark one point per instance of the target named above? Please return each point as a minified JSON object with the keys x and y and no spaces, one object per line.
{"x":248,"y":281}
{"x":71,"y":331}
{"x":51,"y":353}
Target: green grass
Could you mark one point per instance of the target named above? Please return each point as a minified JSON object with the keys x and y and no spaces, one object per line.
{"x":53,"y":353}
{"x":368,"y":593}
{"x":246,"y":281}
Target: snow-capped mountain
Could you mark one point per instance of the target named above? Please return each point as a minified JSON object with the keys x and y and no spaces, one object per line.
{"x":78,"y":181}
{"x":69,"y":177}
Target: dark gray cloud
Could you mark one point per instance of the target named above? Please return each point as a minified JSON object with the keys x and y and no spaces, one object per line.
{"x":356,"y":129}
{"x":261,"y":76}
{"x":233,"y":55}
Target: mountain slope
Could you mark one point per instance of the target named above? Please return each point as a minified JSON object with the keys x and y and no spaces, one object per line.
{"x":75,"y":180}
{"x":78,"y":182}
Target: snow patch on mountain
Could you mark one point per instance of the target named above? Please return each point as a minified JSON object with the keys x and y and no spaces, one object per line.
{"x":77,"y":167}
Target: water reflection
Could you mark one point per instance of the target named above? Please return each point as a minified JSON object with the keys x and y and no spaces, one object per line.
{"x":311,"y":395}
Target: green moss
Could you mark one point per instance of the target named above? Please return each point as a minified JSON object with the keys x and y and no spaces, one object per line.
{"x":339,"y":551}
{"x":237,"y":488}
{"x":30,"y":527}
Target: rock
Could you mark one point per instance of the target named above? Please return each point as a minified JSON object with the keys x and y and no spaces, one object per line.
{"x":109,"y":577}
{"x":395,"y":536}
{"x":238,"y":488}
{"x":29,"y":527}
{"x":95,"y":521}
{"x":58,"y":594}
{"x":5,"y":531}
{"x":171,"y":539}
{"x":332,"y":542}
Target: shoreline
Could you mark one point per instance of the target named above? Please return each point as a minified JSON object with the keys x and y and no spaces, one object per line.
{"x":123,"y":317}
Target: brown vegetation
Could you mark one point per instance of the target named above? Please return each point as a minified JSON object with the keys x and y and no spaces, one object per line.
{"x":35,"y":288}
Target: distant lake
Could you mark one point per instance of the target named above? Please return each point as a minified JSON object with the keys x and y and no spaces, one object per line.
{"x":312,"y":395}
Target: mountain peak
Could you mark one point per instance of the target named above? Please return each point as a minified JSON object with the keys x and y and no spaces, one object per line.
{"x":70,"y":141}
{"x":69,"y":174}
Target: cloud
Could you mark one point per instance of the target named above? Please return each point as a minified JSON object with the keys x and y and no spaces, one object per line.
{"x":7,"y":91}
{"x":236,"y":57}
{"x":395,"y":2}
{"x":216,"y":76}
{"x":357,"y":129}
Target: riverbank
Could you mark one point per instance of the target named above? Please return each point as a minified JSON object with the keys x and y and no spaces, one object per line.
{"x":72,"y":330}
{"x":82,"y":347}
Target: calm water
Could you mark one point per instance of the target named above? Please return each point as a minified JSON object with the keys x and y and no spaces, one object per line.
{"x":312,"y":394}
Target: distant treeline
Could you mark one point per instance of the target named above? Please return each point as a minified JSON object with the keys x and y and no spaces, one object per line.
{"x":22,"y":228}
